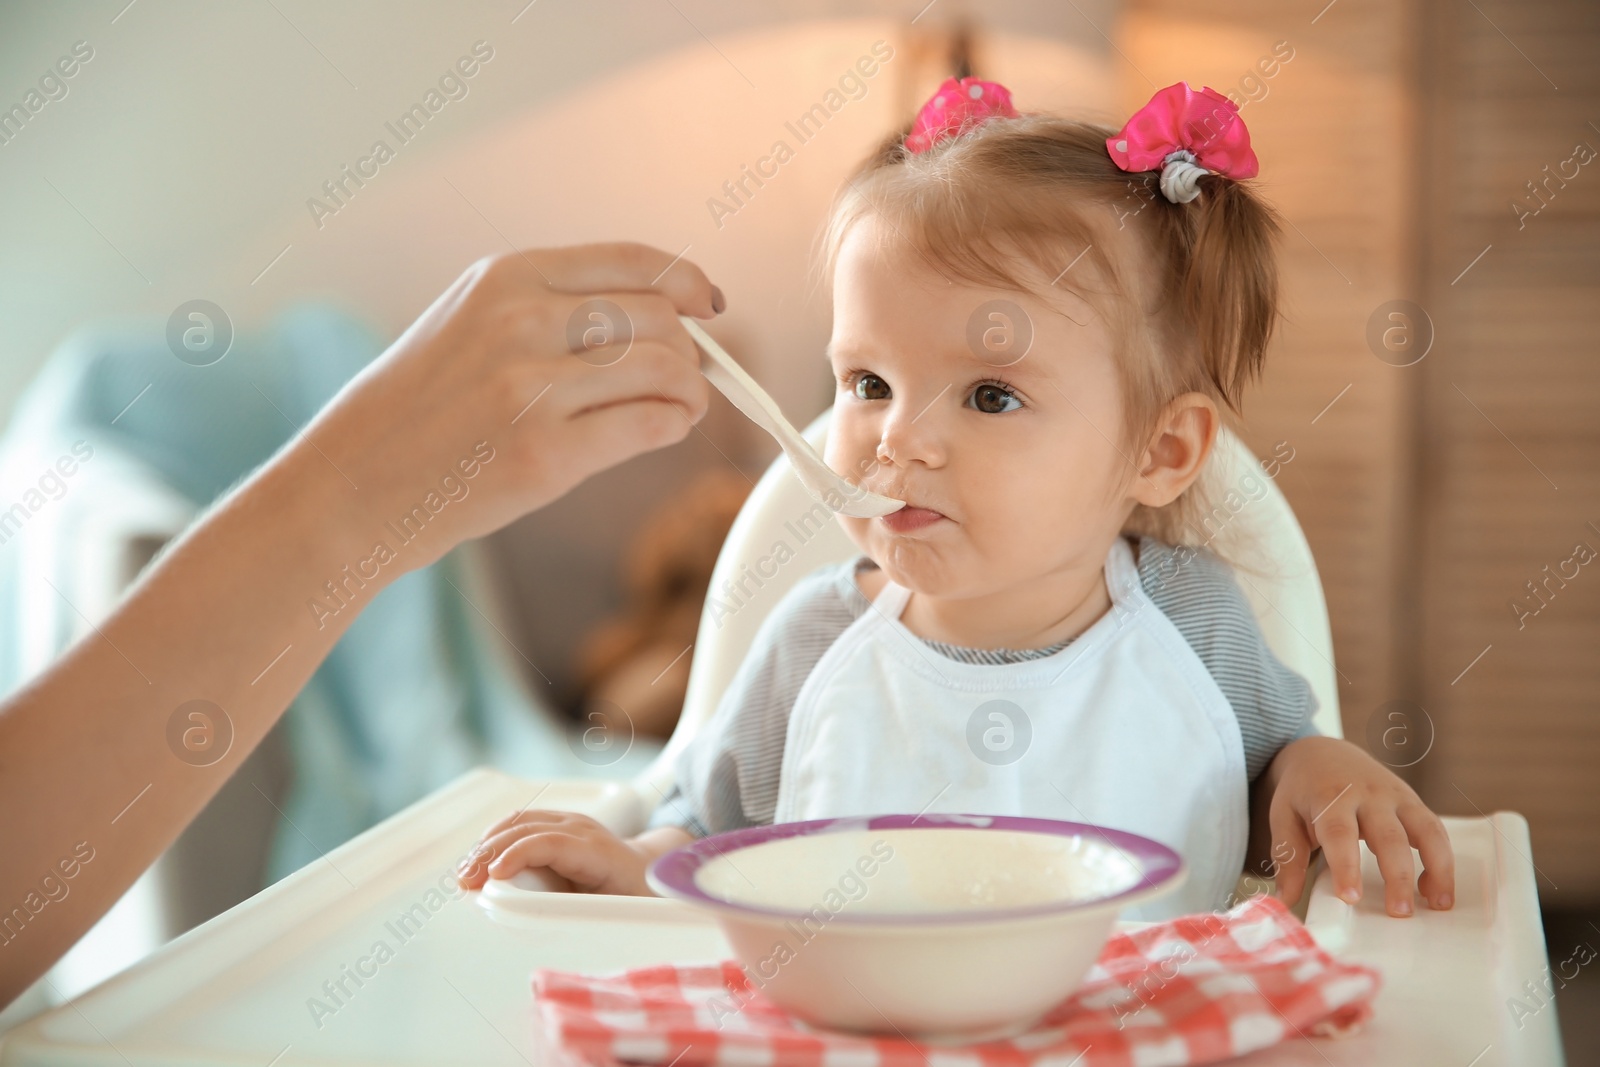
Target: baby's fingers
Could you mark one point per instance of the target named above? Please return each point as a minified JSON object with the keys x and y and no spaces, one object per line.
{"x":480,"y":866}
{"x":1438,"y":882}
{"x":1291,"y":852}
{"x":1389,"y":844}
{"x":1336,"y":833}
{"x":524,"y":817}
{"x":576,"y":859}
{"x":473,"y":870}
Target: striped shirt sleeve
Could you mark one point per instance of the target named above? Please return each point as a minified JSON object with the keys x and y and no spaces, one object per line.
{"x":1196,"y":589}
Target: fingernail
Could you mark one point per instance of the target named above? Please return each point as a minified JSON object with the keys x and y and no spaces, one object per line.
{"x":719,"y":303}
{"x":1350,"y":896}
{"x":1403,"y":907}
{"x":1445,"y":900}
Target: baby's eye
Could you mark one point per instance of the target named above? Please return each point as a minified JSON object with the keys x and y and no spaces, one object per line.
{"x":871,"y":387}
{"x":993,"y":399}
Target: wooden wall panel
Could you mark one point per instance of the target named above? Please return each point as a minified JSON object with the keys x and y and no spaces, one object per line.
{"x":1520,"y":730}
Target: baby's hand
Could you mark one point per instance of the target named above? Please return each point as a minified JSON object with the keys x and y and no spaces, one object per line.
{"x":577,"y":848}
{"x":1328,"y":793}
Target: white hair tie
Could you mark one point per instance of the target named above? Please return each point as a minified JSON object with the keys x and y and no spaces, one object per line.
{"x":1180,"y":176}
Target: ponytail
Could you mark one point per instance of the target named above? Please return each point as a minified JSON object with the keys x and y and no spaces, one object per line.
{"x":1230,"y":285}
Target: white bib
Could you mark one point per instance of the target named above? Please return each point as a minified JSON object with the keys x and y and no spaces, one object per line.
{"x":1123,"y":728}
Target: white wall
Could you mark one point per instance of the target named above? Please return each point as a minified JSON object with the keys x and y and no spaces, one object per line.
{"x":185,"y":149}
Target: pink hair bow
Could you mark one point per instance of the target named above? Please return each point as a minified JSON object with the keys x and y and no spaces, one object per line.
{"x":1185,"y":134}
{"x":955,"y":107}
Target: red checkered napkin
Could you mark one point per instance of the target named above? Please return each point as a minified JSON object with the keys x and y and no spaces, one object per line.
{"x":1193,"y":990}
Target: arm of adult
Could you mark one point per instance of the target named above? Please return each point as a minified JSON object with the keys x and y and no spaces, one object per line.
{"x":481,"y":396}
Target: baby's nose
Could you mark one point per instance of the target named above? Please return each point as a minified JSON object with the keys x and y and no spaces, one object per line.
{"x":912,"y":434}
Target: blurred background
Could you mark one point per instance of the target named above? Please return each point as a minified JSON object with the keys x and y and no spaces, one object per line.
{"x":1435,"y":376}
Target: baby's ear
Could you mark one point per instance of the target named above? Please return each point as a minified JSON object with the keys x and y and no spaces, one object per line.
{"x":1177,"y":451}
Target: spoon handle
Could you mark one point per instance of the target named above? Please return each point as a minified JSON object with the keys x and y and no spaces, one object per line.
{"x":735,"y":383}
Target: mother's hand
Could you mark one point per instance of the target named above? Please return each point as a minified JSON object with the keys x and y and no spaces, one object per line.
{"x":558,"y":362}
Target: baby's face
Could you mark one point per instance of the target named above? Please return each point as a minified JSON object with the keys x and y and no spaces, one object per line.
{"x":1010,"y":467}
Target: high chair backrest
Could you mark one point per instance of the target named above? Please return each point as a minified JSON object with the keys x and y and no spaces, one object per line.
{"x":781,"y":535}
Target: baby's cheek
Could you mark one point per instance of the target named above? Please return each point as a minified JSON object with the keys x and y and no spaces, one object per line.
{"x":843,"y":459}
{"x":851,"y":449}
{"x":1015,"y":527}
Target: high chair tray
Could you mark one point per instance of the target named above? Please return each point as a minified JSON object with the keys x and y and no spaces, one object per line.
{"x":261,"y":984}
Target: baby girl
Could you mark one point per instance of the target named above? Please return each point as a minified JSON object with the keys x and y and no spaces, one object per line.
{"x":1039,"y":326}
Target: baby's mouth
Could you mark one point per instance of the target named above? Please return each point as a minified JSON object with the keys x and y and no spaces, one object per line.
{"x":912,"y":518}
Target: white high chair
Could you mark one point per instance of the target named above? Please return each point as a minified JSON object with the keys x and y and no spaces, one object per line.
{"x":241,"y":988}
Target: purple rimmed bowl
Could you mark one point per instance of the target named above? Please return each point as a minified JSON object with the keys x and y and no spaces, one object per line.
{"x":950,"y":928}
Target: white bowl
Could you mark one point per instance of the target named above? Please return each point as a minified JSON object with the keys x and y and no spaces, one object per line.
{"x":938,"y":927}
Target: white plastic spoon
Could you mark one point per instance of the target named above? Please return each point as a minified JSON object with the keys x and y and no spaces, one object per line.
{"x":825,"y":486}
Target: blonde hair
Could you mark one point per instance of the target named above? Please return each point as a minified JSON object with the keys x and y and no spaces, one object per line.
{"x":1191,"y":297}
